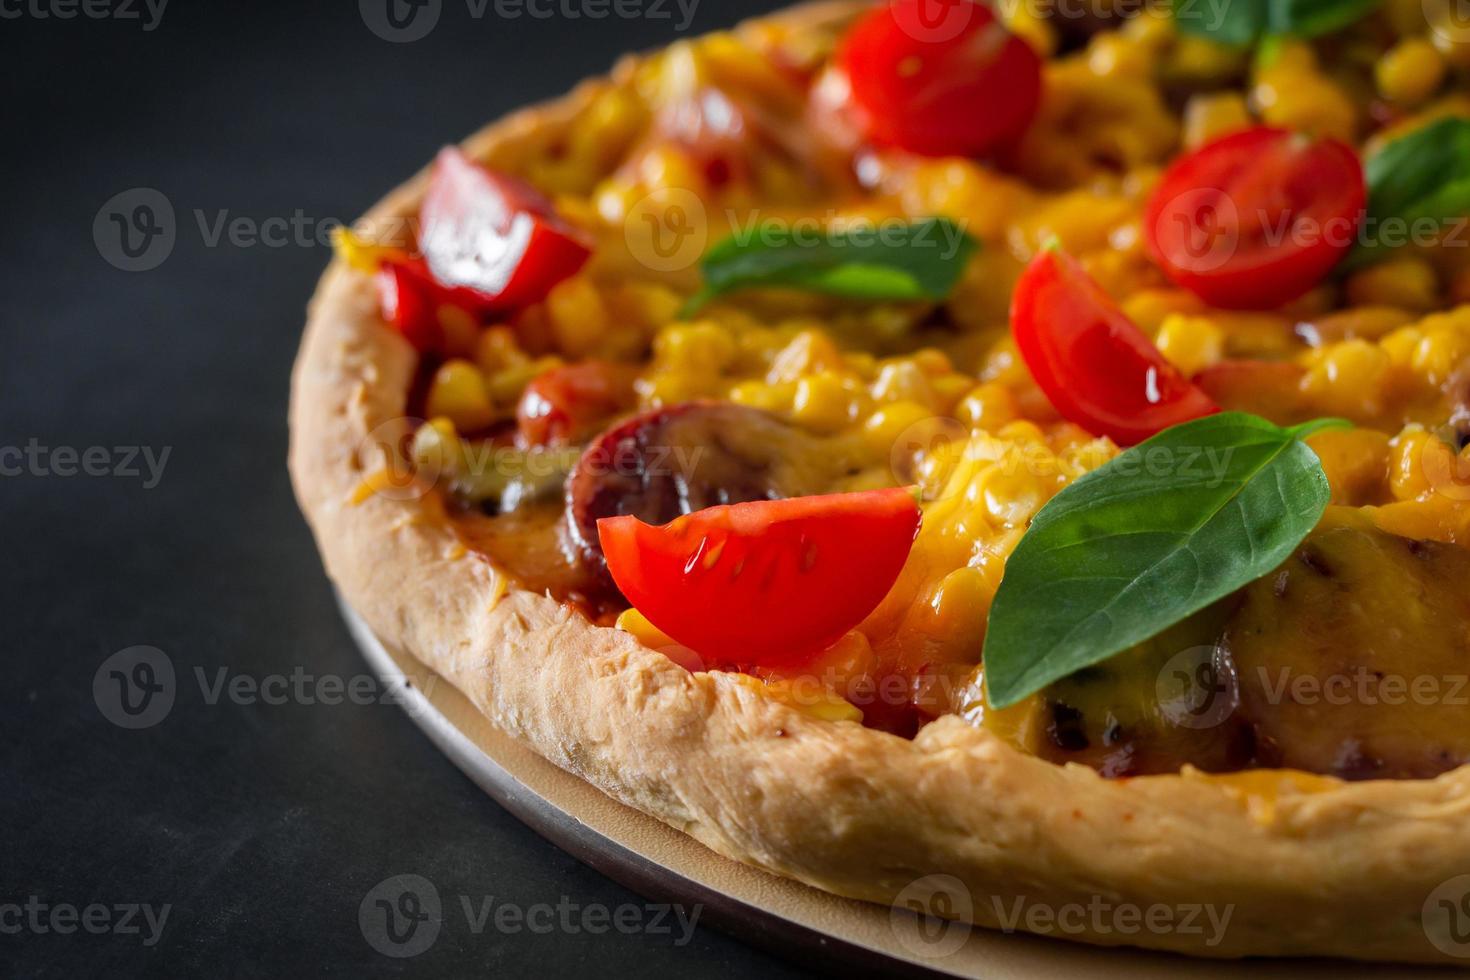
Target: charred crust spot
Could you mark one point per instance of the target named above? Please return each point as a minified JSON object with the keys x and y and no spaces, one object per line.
{"x":1066,"y":729}
{"x":1313,"y":560}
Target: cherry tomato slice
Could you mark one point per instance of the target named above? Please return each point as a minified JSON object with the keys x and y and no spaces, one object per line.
{"x":1256,"y":218}
{"x":493,"y":237}
{"x":770,"y":583}
{"x":1095,"y":366}
{"x":939,"y":77}
{"x":568,"y":403}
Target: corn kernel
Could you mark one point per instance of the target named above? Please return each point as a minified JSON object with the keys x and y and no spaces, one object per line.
{"x":884,"y":427}
{"x":700,"y":347}
{"x":1406,"y":475}
{"x":808,"y":352}
{"x":1347,"y":378}
{"x":822,"y":402}
{"x":902,"y":381}
{"x":1208,"y":116}
{"x":497,"y":350}
{"x":457,"y":393}
{"x":578,"y":316}
{"x":988,"y":407}
{"x":1191,"y":343}
{"x":1410,"y":72}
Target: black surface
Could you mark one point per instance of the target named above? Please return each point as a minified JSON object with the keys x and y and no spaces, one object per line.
{"x":262,"y":826}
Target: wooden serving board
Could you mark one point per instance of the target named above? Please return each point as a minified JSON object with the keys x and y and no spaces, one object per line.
{"x":810,"y":926}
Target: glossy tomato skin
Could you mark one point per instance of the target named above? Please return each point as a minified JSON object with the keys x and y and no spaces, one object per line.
{"x":494,"y":238}
{"x":939,"y":78}
{"x":407,"y":295}
{"x":1094,"y":365}
{"x":567,"y":403}
{"x":1257,"y":218}
{"x":769,"y":583}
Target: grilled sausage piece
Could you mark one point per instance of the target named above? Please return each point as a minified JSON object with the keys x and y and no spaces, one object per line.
{"x":682,"y":458}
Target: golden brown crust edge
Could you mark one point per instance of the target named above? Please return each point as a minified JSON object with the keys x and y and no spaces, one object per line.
{"x":1343,"y":871}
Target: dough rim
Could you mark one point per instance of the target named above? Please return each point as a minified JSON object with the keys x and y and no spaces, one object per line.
{"x":1342,"y":871}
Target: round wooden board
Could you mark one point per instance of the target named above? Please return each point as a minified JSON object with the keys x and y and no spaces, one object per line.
{"x":809,"y":926}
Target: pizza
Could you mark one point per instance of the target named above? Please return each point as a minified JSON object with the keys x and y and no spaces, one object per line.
{"x":907,"y":446}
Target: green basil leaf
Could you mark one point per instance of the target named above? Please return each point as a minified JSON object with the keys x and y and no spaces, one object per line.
{"x":1421,"y":176}
{"x":1157,"y":533}
{"x":1240,"y":23}
{"x":918,"y":261}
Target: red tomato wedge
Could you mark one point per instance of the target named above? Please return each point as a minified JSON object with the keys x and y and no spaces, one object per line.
{"x":1097,"y":368}
{"x":939,"y":77}
{"x":770,"y":583}
{"x":408,"y":296}
{"x":494,"y":238}
{"x":1257,"y":218}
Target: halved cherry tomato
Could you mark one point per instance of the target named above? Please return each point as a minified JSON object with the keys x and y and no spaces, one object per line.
{"x":770,"y":583}
{"x":494,"y":237}
{"x":568,"y":403}
{"x":1095,"y":366}
{"x":939,"y":77}
{"x":1256,"y":218}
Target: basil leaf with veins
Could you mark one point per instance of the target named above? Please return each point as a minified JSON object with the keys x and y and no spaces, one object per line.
{"x":1150,"y":537}
{"x":887,"y":261}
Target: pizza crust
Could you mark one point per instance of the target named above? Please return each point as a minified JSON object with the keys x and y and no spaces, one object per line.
{"x":1305,"y":866}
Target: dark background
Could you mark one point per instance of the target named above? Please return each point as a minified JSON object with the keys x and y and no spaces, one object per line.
{"x":262,"y":826}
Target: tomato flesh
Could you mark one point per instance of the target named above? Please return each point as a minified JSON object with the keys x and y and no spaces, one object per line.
{"x":1257,"y":218}
{"x":1097,"y":368}
{"x":493,"y":238}
{"x":769,"y":583}
{"x":939,"y":78}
